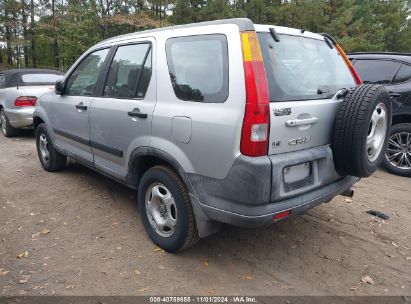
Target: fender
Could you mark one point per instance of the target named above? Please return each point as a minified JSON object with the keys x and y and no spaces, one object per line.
{"x":205,"y":226}
{"x":39,"y":112}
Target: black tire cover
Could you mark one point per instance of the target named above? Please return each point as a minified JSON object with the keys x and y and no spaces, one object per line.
{"x":352,"y":126}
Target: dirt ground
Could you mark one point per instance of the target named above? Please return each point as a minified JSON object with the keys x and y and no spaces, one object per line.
{"x":76,"y":232}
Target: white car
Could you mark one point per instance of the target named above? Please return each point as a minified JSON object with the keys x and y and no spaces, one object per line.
{"x":19,"y":91}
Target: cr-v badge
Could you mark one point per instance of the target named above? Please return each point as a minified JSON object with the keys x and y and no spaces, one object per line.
{"x":299,"y":141}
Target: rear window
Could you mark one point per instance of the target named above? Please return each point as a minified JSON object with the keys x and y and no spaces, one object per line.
{"x":301,"y":68}
{"x":40,"y":78}
{"x":198,"y":67}
{"x":376,"y":71}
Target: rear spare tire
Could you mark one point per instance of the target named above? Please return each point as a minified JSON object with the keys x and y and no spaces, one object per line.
{"x":361,"y":130}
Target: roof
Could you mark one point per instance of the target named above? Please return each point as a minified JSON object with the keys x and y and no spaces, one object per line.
{"x":405,"y":57}
{"x":13,"y":76}
{"x":244,"y":24}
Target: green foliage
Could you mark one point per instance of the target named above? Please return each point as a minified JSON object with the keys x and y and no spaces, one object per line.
{"x":49,"y":33}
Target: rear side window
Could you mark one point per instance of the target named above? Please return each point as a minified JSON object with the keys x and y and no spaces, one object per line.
{"x":198,"y":67}
{"x":40,"y":78}
{"x":403,"y":75}
{"x":130,"y":72}
{"x":300,"y":68}
{"x":376,"y":71}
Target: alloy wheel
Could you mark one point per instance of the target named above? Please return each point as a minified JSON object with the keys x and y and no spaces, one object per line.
{"x":3,"y":121}
{"x":398,"y":152}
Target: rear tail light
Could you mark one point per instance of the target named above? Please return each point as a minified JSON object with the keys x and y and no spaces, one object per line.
{"x":25,"y":101}
{"x":354,"y":73}
{"x":255,"y":132}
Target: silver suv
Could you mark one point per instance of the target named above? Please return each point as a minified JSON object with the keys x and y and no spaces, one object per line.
{"x":216,"y":122}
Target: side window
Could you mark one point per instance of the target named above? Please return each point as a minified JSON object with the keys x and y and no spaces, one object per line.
{"x":198,"y":67}
{"x":404,"y":74}
{"x":376,"y":71}
{"x":130,"y":72}
{"x":2,"y":81}
{"x":83,"y":80}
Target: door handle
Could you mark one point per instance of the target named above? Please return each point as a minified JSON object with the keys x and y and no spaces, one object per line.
{"x":394,"y":95}
{"x":136,"y":113}
{"x":80,"y":106}
{"x":301,"y":122}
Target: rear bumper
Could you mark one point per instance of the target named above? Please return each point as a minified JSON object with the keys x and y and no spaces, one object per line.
{"x":255,"y":188}
{"x":248,"y":217}
{"x":20,"y":118}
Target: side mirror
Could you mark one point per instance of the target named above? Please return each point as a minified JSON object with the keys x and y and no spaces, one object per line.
{"x":59,"y":87}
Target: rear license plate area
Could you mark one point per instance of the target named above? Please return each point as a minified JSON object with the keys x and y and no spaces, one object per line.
{"x":298,"y":176}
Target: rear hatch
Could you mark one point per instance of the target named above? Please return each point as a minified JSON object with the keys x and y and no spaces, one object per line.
{"x":304,"y":75}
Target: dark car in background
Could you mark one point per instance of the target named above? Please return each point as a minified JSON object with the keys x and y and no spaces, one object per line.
{"x":393,"y":70}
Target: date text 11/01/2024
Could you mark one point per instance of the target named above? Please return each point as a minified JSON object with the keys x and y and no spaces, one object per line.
{"x":203,"y":299}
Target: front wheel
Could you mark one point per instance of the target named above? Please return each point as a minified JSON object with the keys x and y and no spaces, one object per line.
{"x":397,"y":158}
{"x":50,"y":159}
{"x":166,"y":210}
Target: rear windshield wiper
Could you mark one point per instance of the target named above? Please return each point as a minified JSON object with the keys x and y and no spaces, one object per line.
{"x":322,"y":90}
{"x":274,"y":34}
{"x":328,"y":43}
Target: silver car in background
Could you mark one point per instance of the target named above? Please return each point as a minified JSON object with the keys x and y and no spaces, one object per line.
{"x":19,"y":91}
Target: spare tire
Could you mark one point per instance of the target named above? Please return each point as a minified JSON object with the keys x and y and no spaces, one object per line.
{"x":361,"y":130}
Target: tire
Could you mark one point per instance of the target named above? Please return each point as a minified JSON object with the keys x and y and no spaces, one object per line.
{"x":157,"y":185}
{"x":6,"y":128}
{"x":361,"y":129}
{"x":391,"y":162}
{"x":53,"y":161}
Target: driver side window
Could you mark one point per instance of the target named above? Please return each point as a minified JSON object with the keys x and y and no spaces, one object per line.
{"x":83,"y":80}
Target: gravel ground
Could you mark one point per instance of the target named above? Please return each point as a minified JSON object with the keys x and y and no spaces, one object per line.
{"x":76,"y":232}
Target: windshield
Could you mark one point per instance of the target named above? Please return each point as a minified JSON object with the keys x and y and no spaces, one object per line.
{"x":301,"y":68}
{"x":39,"y":78}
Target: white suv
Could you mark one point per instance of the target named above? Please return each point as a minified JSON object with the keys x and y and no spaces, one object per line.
{"x":216,"y":122}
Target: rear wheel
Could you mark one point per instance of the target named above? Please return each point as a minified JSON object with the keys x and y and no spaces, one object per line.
{"x":50,"y":159}
{"x":397,"y":158}
{"x":6,"y":128}
{"x":166,"y":210}
{"x":361,"y":130}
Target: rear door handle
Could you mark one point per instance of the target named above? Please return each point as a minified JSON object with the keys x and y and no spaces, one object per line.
{"x":301,"y":122}
{"x":81,"y":106}
{"x":136,"y":113}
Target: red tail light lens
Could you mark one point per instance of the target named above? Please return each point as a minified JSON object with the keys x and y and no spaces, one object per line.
{"x":348,"y":62}
{"x":256,"y":124}
{"x":25,"y":101}
{"x":281,"y":215}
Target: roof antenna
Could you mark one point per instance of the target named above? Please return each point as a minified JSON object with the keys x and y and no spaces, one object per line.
{"x":302,"y":31}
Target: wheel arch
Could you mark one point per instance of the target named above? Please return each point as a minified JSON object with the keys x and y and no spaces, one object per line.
{"x":36,"y":122}
{"x":144,"y":158}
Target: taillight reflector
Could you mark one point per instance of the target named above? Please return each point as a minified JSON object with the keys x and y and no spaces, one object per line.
{"x":255,"y":132}
{"x":348,"y":62}
{"x":25,"y":101}
{"x":281,"y":215}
